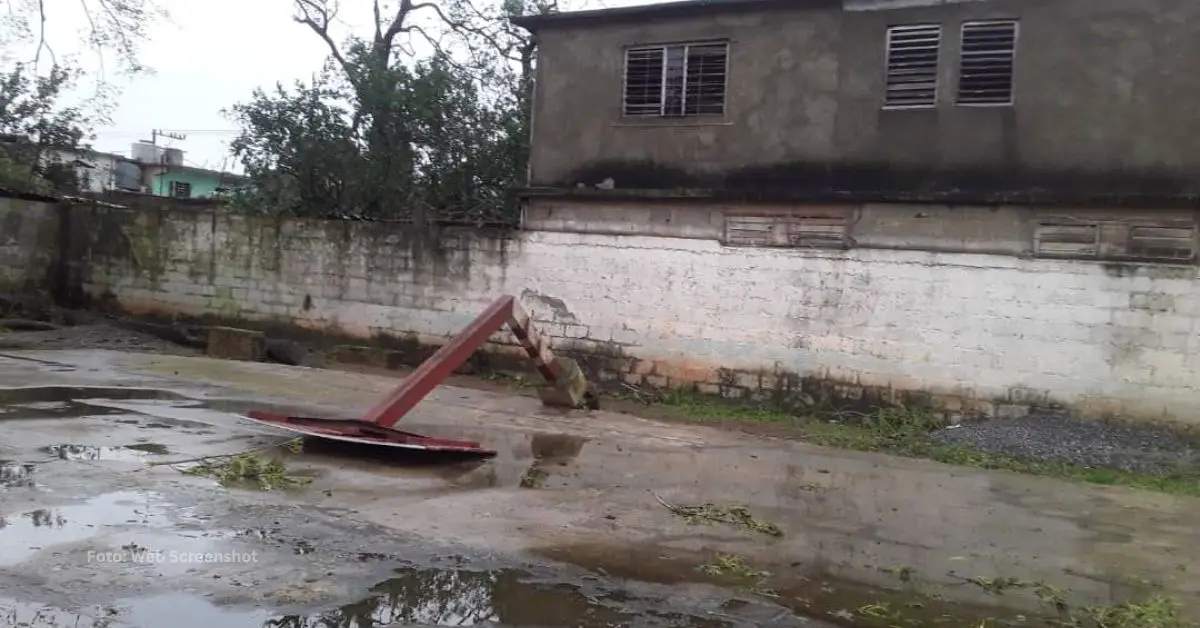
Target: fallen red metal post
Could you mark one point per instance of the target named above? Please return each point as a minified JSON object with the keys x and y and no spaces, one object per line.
{"x":565,"y":386}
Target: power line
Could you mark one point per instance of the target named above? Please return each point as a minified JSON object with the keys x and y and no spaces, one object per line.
{"x":181,"y":131}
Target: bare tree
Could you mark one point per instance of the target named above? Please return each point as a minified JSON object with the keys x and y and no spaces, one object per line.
{"x":116,"y":27}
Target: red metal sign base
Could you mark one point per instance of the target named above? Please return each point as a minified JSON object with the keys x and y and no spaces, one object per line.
{"x":354,"y":431}
{"x":564,"y":387}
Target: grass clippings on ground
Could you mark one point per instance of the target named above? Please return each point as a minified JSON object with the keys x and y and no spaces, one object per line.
{"x":247,"y":469}
{"x":735,"y":570}
{"x":734,"y":515}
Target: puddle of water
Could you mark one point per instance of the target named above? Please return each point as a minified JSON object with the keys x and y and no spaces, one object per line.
{"x":534,"y":460}
{"x":14,"y":474}
{"x":189,"y":413}
{"x":805,"y":592}
{"x":426,"y":597}
{"x":555,"y":446}
{"x":14,"y":613}
{"x":156,"y":449}
{"x":55,"y":410}
{"x":182,"y":611}
{"x":438,"y":597}
{"x":176,"y":610}
{"x":49,"y":394}
{"x":128,"y":453}
{"x":169,"y":424}
{"x":51,"y":402}
{"x":23,"y":536}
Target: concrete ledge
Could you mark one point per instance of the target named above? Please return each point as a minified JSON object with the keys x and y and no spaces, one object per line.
{"x":231,"y":343}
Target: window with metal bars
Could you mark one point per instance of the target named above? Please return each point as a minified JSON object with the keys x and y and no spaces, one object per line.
{"x":989,"y":52}
{"x":912,"y":66}
{"x":181,"y":189}
{"x":675,"y":80}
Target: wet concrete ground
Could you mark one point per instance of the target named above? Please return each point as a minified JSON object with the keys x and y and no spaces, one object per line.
{"x":560,"y":529}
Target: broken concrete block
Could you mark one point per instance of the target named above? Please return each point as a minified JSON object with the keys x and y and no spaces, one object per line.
{"x":572,"y":389}
{"x":231,"y":343}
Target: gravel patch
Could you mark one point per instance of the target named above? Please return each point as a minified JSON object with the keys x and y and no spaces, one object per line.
{"x":92,"y":336}
{"x":1086,"y":443}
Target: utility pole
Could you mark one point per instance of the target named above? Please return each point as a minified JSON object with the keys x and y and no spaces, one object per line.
{"x":157,"y":133}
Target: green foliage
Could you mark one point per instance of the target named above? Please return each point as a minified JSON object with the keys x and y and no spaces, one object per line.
{"x":299,"y":148}
{"x":247,"y":471}
{"x":37,"y":132}
{"x":381,"y":135}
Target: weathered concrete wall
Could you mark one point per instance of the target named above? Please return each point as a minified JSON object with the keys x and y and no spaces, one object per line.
{"x":1097,"y":101}
{"x":581,"y":71}
{"x":28,"y":245}
{"x":986,"y":332}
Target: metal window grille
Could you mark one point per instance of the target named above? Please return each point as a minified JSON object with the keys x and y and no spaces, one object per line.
{"x":676,"y":80}
{"x":989,"y":51}
{"x":912,"y":66}
{"x":1161,"y":242}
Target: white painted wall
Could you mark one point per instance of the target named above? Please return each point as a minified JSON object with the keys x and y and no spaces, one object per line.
{"x":1105,"y":338}
{"x":97,"y":171}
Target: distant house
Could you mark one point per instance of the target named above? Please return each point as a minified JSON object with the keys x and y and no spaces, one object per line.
{"x":189,"y":181}
{"x":96,"y":172}
{"x":152,"y":170}
{"x":164,"y":173}
{"x":99,"y":172}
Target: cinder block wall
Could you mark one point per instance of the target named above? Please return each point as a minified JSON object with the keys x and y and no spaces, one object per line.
{"x":967,"y":331}
{"x":28,"y":245}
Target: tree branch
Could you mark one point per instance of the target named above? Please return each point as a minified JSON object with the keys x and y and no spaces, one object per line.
{"x":124,"y":43}
{"x":320,"y":25}
{"x":378,"y":22}
{"x":464,"y":26}
{"x":42,"y":43}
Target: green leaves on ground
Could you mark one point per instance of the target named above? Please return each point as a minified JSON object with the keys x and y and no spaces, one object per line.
{"x":247,"y":470}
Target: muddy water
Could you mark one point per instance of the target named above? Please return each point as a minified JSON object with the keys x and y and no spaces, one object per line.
{"x":428,"y":597}
{"x":139,"y":529}
{"x":136,"y":452}
{"x":145,"y":523}
{"x":23,"y":535}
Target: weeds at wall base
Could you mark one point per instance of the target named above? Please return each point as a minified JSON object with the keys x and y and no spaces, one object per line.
{"x":897,"y":431}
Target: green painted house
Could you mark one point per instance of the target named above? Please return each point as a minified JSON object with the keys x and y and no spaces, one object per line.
{"x":165,"y":173}
{"x":189,"y":181}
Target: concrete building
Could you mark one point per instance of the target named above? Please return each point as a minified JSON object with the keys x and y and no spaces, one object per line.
{"x":165,"y":173}
{"x":151,"y":169}
{"x":889,"y":99}
{"x":101,"y":172}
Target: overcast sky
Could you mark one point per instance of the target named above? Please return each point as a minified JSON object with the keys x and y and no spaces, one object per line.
{"x":210,"y":55}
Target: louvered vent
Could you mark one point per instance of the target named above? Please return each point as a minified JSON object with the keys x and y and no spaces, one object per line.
{"x":1164,"y":243}
{"x":912,"y":66}
{"x":1067,"y":240}
{"x":989,"y":51}
{"x":798,"y":230}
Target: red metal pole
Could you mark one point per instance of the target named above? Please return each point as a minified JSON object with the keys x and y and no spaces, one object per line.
{"x":441,"y":364}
